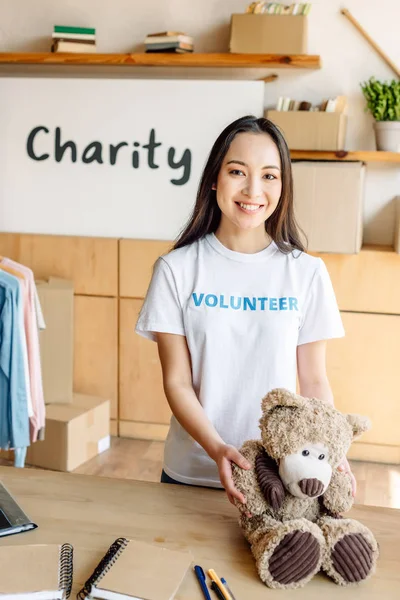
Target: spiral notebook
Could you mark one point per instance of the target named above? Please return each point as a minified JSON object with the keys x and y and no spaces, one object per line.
{"x":36,"y":571}
{"x":133,"y":570}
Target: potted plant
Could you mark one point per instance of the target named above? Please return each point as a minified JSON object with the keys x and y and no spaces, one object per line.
{"x":383,"y":101}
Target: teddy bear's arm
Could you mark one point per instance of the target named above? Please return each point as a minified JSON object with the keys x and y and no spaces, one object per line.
{"x":338,"y":498}
{"x":258,"y":500}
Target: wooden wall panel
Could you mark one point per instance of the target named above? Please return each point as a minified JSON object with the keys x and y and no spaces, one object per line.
{"x":364,"y":374}
{"x":91,"y":263}
{"x":137,"y":258}
{"x":366,"y":282}
{"x":141,"y":394}
{"x":96,"y":348}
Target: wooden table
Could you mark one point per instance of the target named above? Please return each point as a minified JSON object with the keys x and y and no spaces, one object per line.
{"x":92,"y":511}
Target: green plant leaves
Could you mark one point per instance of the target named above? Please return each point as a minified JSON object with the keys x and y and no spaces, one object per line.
{"x":383,"y":99}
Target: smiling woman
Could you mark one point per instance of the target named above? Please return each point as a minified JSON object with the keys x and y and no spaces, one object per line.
{"x":237,"y":308}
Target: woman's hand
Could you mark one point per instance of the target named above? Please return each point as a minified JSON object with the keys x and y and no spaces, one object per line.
{"x":344,"y":467}
{"x":224,"y":456}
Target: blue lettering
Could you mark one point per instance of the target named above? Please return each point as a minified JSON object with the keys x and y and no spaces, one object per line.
{"x":221,"y":302}
{"x":293,"y":304}
{"x":273,"y":304}
{"x":211,"y":300}
{"x":232,"y":303}
{"x":282,"y":303}
{"x":262,"y":301}
{"x":248,"y":303}
{"x":197,"y":299}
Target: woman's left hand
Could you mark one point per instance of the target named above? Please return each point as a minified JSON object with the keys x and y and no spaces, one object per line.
{"x":344,"y":467}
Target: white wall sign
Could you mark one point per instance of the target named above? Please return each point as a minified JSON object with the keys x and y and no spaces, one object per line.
{"x":113,"y":158}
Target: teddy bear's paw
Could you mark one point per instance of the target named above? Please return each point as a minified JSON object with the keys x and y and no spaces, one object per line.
{"x":295,"y":558}
{"x":352,"y":558}
{"x":291,"y":557}
{"x":352,"y":551}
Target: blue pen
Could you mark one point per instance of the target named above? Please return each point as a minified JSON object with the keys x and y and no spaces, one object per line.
{"x":202,"y":581}
{"x":227,"y":587}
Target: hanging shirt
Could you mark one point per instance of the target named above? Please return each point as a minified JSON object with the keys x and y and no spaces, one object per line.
{"x":243,"y":316}
{"x":31,"y":320}
{"x":14,"y":420}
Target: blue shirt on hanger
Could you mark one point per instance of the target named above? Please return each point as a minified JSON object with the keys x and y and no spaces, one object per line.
{"x":14,"y":419}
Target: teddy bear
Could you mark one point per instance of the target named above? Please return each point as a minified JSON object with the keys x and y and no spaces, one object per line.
{"x":295,"y":495}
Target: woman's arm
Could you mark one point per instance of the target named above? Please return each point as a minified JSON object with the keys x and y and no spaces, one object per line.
{"x":314,"y":383}
{"x":178,"y":388}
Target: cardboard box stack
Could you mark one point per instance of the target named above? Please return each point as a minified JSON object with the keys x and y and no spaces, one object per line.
{"x":77,"y":425}
{"x":328,"y":204}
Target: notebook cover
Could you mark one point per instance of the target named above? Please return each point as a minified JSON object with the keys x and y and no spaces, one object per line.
{"x":30,"y":568}
{"x":146,"y":571}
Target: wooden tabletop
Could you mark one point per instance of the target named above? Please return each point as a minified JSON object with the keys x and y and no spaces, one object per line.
{"x":90,"y":512}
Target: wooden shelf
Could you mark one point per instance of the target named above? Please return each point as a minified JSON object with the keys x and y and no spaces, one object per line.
{"x":300,"y":61}
{"x":364,"y":156}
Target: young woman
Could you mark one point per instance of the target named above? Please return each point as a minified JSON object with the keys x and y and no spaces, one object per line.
{"x":237,"y":308}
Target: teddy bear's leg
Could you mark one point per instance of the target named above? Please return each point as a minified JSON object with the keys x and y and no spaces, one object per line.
{"x":351,"y":550}
{"x":289,"y":554}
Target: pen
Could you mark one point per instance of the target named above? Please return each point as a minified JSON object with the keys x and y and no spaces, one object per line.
{"x":212,"y":574}
{"x":202,"y":581}
{"x":216,"y":589}
{"x":228,"y":588}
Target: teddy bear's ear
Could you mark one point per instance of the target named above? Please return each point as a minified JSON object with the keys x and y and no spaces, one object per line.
{"x":281,"y":397}
{"x":359,"y":424}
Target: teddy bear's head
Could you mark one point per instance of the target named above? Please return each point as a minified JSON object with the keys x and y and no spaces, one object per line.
{"x":307,"y":438}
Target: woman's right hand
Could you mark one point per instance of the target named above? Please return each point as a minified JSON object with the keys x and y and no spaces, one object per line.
{"x":224,"y":456}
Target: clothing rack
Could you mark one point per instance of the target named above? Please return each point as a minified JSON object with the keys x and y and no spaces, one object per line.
{"x":22,"y":407}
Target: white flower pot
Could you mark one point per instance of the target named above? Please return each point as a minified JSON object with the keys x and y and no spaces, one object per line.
{"x":387,"y":135}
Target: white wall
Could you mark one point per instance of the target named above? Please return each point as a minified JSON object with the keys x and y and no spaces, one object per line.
{"x":347,"y":59}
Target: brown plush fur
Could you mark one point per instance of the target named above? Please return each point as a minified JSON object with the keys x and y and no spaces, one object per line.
{"x":304,"y":524}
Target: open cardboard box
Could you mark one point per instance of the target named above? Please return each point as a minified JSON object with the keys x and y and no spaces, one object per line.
{"x":268,"y":34}
{"x":304,"y":130}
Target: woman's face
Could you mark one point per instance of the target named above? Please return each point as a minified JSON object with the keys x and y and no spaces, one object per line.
{"x":249,"y":183}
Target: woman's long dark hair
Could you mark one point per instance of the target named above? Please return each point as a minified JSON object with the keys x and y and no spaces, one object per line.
{"x":280,"y":226}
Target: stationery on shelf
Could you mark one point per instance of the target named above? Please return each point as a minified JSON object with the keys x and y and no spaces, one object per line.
{"x":128,"y":568}
{"x":12,"y":518}
{"x":338,"y":105}
{"x":276,"y":8}
{"x":36,"y":571}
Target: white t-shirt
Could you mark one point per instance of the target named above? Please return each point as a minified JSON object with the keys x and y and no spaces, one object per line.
{"x":243,"y":316}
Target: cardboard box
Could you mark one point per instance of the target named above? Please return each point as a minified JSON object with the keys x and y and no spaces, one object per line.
{"x":74,"y":434}
{"x":268,"y":34}
{"x":328,"y":204}
{"x":57,"y":340}
{"x":305,"y":130}
{"x":397,"y":225}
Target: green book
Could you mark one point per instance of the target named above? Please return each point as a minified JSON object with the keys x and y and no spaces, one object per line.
{"x":67,"y":29}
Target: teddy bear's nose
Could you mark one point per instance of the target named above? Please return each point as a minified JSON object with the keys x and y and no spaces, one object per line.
{"x":311,"y":487}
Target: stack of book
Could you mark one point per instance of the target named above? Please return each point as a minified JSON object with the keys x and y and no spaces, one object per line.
{"x":73,"y":39}
{"x":168,"y":41}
